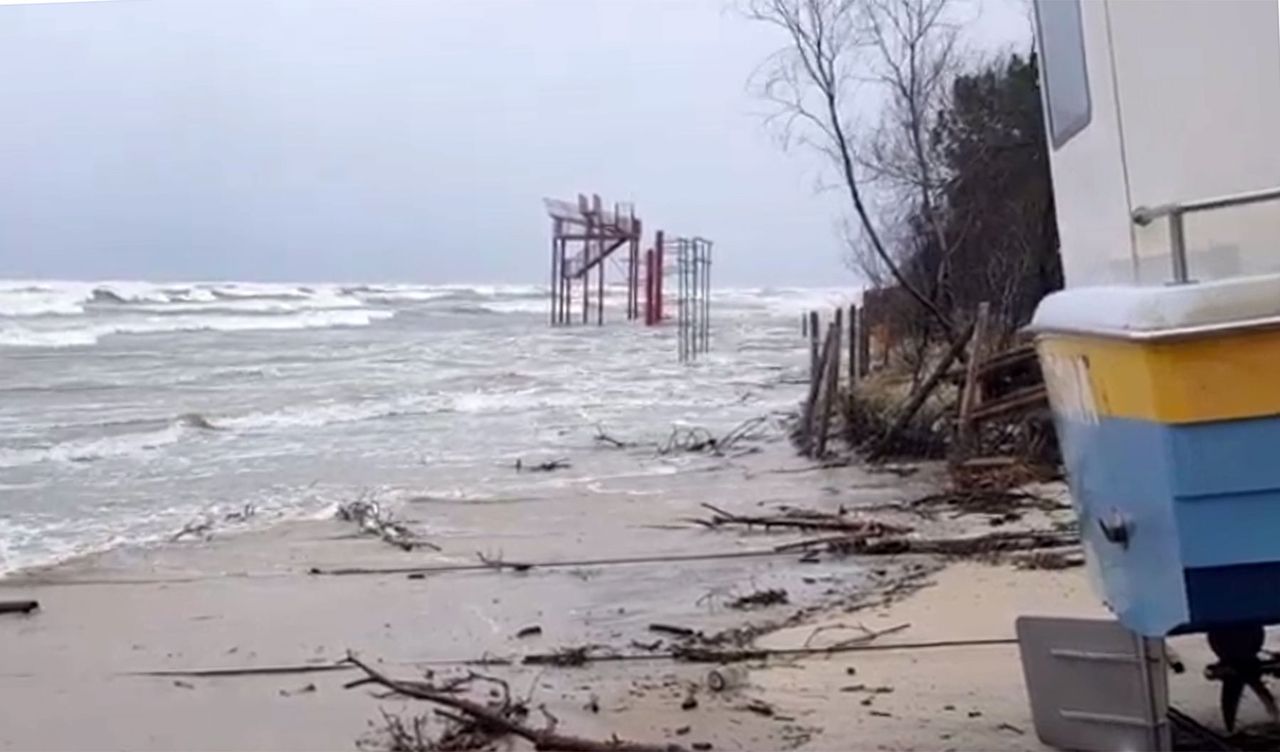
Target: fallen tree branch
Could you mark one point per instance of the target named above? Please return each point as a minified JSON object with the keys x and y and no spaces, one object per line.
{"x":373,"y":519}
{"x":699,"y":439}
{"x":18,"y":607}
{"x":210,"y":673}
{"x":695,"y":654}
{"x":917,"y":399}
{"x":542,"y":739}
{"x":451,"y":568}
{"x":974,"y":545}
{"x":742,"y":431}
{"x":497,"y":562}
{"x":867,"y":634}
{"x":965,"y":546}
{"x":604,"y":438}
{"x":564,"y":657}
{"x":805,"y":521}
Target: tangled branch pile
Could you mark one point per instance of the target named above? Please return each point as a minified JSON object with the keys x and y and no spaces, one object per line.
{"x":371,"y":518}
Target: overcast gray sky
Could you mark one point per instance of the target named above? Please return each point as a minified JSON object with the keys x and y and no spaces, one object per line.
{"x":397,"y":140}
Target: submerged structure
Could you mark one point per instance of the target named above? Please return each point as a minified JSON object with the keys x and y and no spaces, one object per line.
{"x":590,"y":240}
{"x":584,"y":236}
{"x":693,"y":302}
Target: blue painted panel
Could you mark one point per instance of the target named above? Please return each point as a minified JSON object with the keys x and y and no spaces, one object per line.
{"x":1227,"y":483}
{"x":1229,"y":529}
{"x":1245,"y":593}
{"x":1122,"y":466}
{"x":1226,"y":456}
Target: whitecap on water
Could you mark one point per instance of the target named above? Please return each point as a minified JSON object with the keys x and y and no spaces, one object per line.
{"x":19,"y":335}
{"x":89,"y":450}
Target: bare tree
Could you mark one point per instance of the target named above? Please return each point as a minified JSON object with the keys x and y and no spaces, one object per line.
{"x":811,"y":82}
{"x":914,"y":61}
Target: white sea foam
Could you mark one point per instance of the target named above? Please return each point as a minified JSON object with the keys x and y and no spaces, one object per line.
{"x":89,"y":450}
{"x":316,"y":415}
{"x":41,"y":302}
{"x":248,"y":304}
{"x":18,"y":335}
{"x":518,"y":306}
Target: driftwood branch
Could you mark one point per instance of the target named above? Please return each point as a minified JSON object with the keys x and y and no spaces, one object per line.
{"x":867,"y":635}
{"x":495,"y":720}
{"x":373,"y":519}
{"x":604,"y":438}
{"x":803,"y":521}
{"x":18,"y":607}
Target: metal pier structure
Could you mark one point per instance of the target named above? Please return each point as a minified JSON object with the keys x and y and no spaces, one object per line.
{"x":584,"y":237}
{"x":590,"y":240}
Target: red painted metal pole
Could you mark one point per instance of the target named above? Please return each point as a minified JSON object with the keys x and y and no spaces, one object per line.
{"x":657,"y":282}
{"x":631,"y":279}
{"x":637,"y":232}
{"x":648,"y":287}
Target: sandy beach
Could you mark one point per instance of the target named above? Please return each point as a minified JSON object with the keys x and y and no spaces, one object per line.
{"x":127,"y":645}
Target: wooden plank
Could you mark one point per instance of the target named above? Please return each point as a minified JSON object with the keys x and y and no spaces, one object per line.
{"x":853,"y":346}
{"x":813,"y":344}
{"x":1019,"y":399}
{"x":1017,"y":356}
{"x":831,"y":363}
{"x":864,"y":343}
{"x":811,"y":401}
{"x":971,"y":393}
{"x":833,"y":381}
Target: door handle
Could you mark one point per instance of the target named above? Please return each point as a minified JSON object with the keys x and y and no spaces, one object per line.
{"x":1117,"y":530}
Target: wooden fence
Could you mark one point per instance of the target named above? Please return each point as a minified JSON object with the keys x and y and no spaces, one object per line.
{"x":827,"y":351}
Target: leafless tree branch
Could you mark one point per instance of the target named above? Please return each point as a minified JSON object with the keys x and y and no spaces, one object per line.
{"x":810,"y":82}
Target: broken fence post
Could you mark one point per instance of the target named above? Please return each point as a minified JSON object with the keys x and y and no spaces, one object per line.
{"x":971,"y":395}
{"x":811,"y":400}
{"x":813,"y":343}
{"x":832,"y":390}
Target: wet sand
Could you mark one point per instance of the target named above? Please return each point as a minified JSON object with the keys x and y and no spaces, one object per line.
{"x":81,"y":672}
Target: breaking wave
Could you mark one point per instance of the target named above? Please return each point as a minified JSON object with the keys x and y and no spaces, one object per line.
{"x":53,"y":314}
{"x":17,"y":335}
{"x":90,"y":450}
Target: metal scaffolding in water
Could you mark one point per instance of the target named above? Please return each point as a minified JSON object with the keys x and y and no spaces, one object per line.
{"x":693,"y":309}
{"x":585,"y":235}
{"x":587,"y":238}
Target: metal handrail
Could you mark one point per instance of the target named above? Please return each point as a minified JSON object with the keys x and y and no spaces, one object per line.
{"x":1145,"y":215}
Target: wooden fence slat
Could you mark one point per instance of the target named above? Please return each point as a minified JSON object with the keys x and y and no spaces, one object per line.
{"x":831,"y":357}
{"x":813,"y":343}
{"x":811,"y":401}
{"x":971,"y":395}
